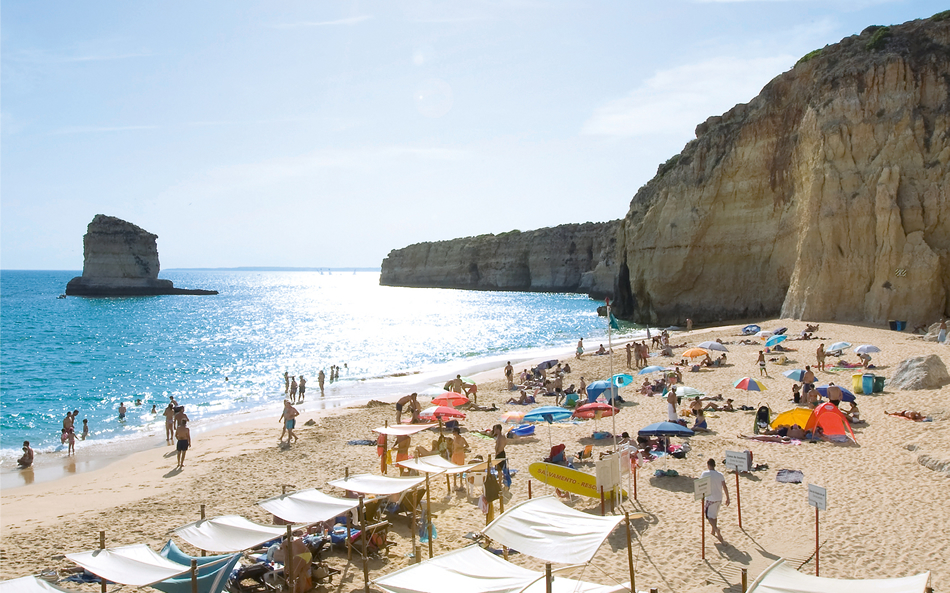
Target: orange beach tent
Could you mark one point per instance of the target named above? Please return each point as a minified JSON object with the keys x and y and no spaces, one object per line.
{"x":831,"y":420}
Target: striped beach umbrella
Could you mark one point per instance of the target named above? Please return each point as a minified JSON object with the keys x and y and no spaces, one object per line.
{"x":749,"y":384}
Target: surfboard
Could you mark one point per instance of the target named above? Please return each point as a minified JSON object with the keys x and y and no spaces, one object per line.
{"x":567,"y":479}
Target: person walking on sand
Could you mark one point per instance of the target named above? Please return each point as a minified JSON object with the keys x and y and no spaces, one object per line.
{"x":401,"y":404}
{"x":630,"y":355}
{"x":301,"y":390}
{"x":580,"y":348}
{"x":321,"y":379}
{"x":183,"y":435}
{"x":293,"y":390}
{"x":717,"y":485}
{"x":671,"y":401}
{"x":761,"y":361}
{"x":289,"y":420}
{"x":820,"y":356}
{"x":27,"y":459}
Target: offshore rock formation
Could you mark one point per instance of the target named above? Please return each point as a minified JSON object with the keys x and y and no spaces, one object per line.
{"x":566,"y":258}
{"x":826,"y":197}
{"x":121,"y":259}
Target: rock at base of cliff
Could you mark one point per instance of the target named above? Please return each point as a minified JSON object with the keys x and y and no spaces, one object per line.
{"x":921,"y":372}
{"x":80,"y":286}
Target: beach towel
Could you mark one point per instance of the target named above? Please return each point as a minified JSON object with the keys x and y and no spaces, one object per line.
{"x":361,"y":442}
{"x":790,"y":476}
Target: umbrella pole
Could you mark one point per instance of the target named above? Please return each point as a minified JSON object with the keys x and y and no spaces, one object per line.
{"x":428,"y":516}
{"x":613,"y":402}
{"x":102,"y":546}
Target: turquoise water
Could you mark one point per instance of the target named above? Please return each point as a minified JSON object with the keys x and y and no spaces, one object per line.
{"x":89,"y":354}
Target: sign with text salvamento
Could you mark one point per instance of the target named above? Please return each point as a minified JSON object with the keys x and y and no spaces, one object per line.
{"x":817,"y":497}
{"x":701,"y":487}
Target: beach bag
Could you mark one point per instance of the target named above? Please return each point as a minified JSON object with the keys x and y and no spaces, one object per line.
{"x":389,"y":456}
{"x":492,"y":490}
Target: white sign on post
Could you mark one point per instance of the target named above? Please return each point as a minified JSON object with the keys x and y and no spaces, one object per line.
{"x":817,"y":497}
{"x":701,"y":487}
{"x":739,"y":461}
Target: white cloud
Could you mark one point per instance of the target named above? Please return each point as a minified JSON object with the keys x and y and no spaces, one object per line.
{"x":674,"y":101}
{"x":301,"y":24}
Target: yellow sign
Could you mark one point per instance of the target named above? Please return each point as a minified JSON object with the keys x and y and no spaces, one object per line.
{"x":567,"y":479}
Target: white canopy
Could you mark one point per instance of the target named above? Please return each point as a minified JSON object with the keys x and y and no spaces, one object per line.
{"x":449,"y":467}
{"x":307,"y":506}
{"x":474,"y":570}
{"x":135,"y":565}
{"x":781,"y":578}
{"x":402,"y":429}
{"x":228,"y":533}
{"x":381,"y":485}
{"x":420,"y":466}
{"x":551,"y":531}
{"x":30,"y":585}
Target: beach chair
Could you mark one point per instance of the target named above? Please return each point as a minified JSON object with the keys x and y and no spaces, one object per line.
{"x":411,"y":499}
{"x":377,"y":540}
{"x":586,"y":454}
{"x":763,"y":418}
{"x":557,"y":455}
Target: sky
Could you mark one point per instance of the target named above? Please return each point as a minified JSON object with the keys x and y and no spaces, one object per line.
{"x":325,"y":134}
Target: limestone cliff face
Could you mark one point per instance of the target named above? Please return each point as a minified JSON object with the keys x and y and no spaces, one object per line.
{"x":826,"y":197}
{"x":120,"y":259}
{"x":566,"y":258}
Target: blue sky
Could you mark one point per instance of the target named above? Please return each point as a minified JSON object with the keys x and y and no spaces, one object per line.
{"x":328,"y":133}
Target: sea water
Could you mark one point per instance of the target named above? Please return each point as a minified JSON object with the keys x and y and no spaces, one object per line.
{"x":225,"y":355}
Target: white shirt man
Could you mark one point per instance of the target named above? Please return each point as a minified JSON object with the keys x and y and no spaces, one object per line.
{"x":717,"y":485}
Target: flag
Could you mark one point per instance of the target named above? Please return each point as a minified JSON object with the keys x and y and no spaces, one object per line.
{"x":614,"y":324}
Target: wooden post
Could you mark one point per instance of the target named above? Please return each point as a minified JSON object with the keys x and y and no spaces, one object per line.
{"x":386,"y":449}
{"x":194,"y":576}
{"x":738,"y":500}
{"x":361,"y":510}
{"x":745,"y":580}
{"x":289,"y":558}
{"x":633,"y":576}
{"x":412,"y":529}
{"x":603,"y":510}
{"x":349,"y":545}
{"x":702,"y":524}
{"x":635,"y":468}
{"x":529,"y":489}
{"x":203,"y":553}
{"x":428,"y":516}
{"x":501,"y":508}
{"x":816,"y":541}
{"x":654,"y":590}
{"x":102,"y":546}
{"x":548,"y":581}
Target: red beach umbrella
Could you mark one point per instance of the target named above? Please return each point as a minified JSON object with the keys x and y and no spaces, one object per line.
{"x":450,"y":399}
{"x":441,"y":413}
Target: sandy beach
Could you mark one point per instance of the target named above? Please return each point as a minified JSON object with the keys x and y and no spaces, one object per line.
{"x":886,"y":512}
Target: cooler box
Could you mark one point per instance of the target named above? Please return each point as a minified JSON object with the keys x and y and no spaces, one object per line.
{"x":878,"y":384}
{"x":857,"y":382}
{"x":897,"y":325}
{"x":867,"y":383}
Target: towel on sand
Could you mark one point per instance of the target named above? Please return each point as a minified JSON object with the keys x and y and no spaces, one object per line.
{"x":790,"y":476}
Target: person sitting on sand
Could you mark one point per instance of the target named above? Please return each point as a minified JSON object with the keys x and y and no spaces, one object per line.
{"x":601,"y":351}
{"x":695,"y":406}
{"x":700,"y":424}
{"x":796,"y":432}
{"x":524,"y":400}
{"x":27,"y":459}
{"x":726,"y":407}
{"x":853,"y":414}
{"x":909,"y":414}
{"x":567,"y":369}
{"x":646,"y":388}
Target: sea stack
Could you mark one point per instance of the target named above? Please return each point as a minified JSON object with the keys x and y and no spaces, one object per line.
{"x":121,"y":259}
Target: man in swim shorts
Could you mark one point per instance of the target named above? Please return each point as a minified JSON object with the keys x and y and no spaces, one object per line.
{"x":717,"y":485}
{"x":183,"y":435}
{"x":289,"y":419}
{"x":169,"y":415}
{"x":501,"y":441}
{"x":401,"y":404}
{"x":122,"y":411}
{"x":302,"y":389}
{"x":671,"y":401}
{"x":27,"y":459}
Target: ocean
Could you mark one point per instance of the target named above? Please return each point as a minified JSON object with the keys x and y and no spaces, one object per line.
{"x":225,"y":355}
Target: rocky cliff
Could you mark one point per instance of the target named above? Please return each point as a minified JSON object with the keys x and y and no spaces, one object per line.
{"x":566,"y":258}
{"x":826,"y":197}
{"x":121,"y":259}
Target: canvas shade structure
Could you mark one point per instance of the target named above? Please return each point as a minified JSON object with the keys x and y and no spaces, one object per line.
{"x":381,"y":485}
{"x":437,"y":461}
{"x":695,"y":353}
{"x":475,"y":570}
{"x":792,"y":417}
{"x":30,"y":585}
{"x":403,"y":429}
{"x":136,"y":565}
{"x":212,"y":572}
{"x":440,"y":412}
{"x":549,"y":530}
{"x":782,"y":578}
{"x":450,"y":399}
{"x":749,"y":384}
{"x":307,"y":506}
{"x":831,"y":420}
{"x":713,"y":346}
{"x":227,"y":533}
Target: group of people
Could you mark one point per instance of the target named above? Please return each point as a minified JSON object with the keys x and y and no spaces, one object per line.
{"x":176,"y":429}
{"x":68,"y":434}
{"x":296,"y":391}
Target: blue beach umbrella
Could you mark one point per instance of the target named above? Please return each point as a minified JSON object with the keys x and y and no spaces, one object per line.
{"x":651,"y":369}
{"x":751,"y":330}
{"x":665,"y":429}
{"x":795,"y":374}
{"x":547,"y":414}
{"x":622,"y":380}
{"x":846,"y":396}
{"x":775,"y":340}
{"x":596,"y":388}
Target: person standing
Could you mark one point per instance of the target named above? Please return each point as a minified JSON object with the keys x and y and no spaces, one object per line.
{"x":510,"y":375}
{"x":717,"y":485}
{"x":85,"y":428}
{"x":459,"y":445}
{"x":808,"y":380}
{"x":286,"y":383}
{"x":401,"y":403}
{"x":183,"y":434}
{"x":289,"y":420}
{"x":302,"y":389}
{"x":402,"y":451}
{"x":820,"y":356}
{"x":630,"y":355}
{"x":671,"y":401}
{"x":501,"y":441}
{"x":580,"y":348}
{"x":321,"y":379}
{"x":942,"y":332}
{"x":834,"y":395}
{"x":689,"y":324}
{"x":293,"y":390}
{"x":761,"y":361}
{"x":582,"y":388}
{"x":122,"y":411}
{"x":169,"y":415}
{"x":71,"y":439}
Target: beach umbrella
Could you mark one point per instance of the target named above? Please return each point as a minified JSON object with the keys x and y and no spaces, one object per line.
{"x":749,"y":384}
{"x":750,"y":329}
{"x":794,"y":374}
{"x":622,"y":380}
{"x":547,"y":364}
{"x":665,"y":429}
{"x":686,"y":391}
{"x":549,"y":414}
{"x":775,"y":340}
{"x":763,"y":334}
{"x":839,"y":346}
{"x":596,"y":388}
{"x":713,"y":346}
{"x":596,"y":411}
{"x":867,"y":349}
{"x":846,"y":396}
{"x":466,"y":380}
{"x":651,"y":369}
{"x":695,"y":353}
{"x":512,"y":417}
{"x":441,"y":413}
{"x":450,"y":399}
